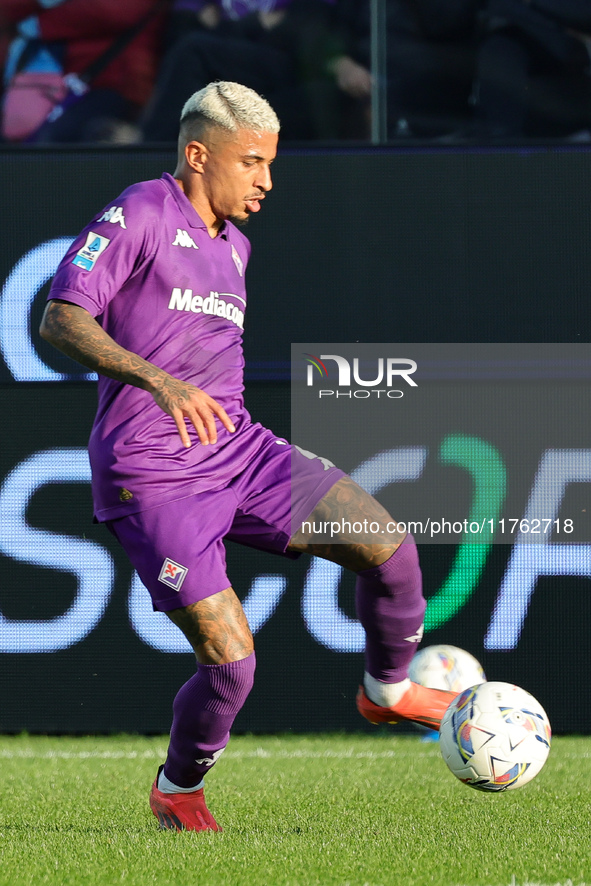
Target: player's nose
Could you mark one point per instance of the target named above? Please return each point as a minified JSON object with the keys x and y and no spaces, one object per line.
{"x":264,"y":180}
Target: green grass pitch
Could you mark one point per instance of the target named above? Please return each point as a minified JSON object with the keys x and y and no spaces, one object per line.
{"x":323,"y":810}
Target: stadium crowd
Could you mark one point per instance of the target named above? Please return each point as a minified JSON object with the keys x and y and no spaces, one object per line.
{"x":111,"y":72}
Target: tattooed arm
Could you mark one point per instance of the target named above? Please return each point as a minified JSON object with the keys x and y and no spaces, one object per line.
{"x":74,"y":331}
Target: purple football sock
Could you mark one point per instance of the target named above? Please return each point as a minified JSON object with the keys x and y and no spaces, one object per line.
{"x":391,"y":607}
{"x":204,"y":710}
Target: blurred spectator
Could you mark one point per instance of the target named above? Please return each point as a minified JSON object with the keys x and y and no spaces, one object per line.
{"x":291,"y":51}
{"x":533,"y":68}
{"x":431,"y":58}
{"x":7,"y":33}
{"x":56,"y":37}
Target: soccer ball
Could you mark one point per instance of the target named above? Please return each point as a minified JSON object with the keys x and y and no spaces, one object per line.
{"x":495,"y":737}
{"x":445,"y":667}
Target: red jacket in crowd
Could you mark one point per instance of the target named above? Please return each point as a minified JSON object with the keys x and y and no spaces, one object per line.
{"x":87,"y":28}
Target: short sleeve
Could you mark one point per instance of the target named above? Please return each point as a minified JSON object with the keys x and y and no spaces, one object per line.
{"x":108,"y":252}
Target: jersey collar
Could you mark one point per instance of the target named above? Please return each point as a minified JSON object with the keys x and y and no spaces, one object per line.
{"x":193,"y":218}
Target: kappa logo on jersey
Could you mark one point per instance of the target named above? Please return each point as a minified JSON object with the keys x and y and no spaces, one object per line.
{"x":172,"y":574}
{"x":237,"y":261}
{"x":114,"y":215}
{"x":183,"y":239}
{"x":213,"y":304}
{"x":86,"y":257}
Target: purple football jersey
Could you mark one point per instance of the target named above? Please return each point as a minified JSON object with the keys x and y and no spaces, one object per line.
{"x":155,"y":280}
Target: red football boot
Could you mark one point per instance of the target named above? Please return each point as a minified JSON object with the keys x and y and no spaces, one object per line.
{"x":181,"y":812}
{"x":419,"y":704}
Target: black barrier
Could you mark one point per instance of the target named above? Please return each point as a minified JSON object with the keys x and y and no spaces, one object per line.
{"x":103,"y":667}
{"x":431,"y":246}
{"x":423,"y":245}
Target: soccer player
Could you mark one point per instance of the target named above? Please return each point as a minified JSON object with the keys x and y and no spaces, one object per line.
{"x":151,"y":296}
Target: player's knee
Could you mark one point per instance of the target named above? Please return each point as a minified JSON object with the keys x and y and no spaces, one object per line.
{"x":223,"y":647}
{"x":216,"y":627}
{"x":371,"y":556}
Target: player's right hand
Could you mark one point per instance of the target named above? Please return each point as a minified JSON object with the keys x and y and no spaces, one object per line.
{"x":182,"y":400}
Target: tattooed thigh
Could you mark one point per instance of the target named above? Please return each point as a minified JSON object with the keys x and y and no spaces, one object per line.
{"x":216,"y":628}
{"x":344,"y":504}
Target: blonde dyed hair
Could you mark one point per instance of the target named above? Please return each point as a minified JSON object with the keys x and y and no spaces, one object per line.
{"x":229,"y":106}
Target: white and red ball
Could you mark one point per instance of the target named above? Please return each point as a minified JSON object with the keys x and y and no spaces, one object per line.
{"x":495,"y":737}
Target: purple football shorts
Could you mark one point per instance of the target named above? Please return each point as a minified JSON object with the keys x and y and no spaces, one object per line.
{"x":177,"y":548}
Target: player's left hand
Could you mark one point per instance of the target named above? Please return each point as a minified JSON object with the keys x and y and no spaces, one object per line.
{"x":182,"y":400}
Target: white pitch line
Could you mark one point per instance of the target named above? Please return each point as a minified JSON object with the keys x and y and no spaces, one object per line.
{"x":260,"y":753}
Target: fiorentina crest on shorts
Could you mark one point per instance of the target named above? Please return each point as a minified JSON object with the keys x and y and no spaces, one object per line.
{"x":172,"y":574}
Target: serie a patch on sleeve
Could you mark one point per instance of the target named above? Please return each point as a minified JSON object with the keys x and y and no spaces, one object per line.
{"x":86,"y":257}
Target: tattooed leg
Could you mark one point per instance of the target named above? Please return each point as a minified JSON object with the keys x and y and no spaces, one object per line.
{"x":205,"y":707}
{"x":216,"y":628}
{"x":346,"y":502}
{"x":388,"y":591}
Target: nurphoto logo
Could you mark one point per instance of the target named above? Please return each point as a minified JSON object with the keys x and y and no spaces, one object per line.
{"x":387,"y":371}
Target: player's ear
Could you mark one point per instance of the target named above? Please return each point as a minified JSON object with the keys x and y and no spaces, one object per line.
{"x":196,"y":155}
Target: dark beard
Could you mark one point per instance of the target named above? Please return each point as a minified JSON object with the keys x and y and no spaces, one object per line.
{"x":239,"y":222}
